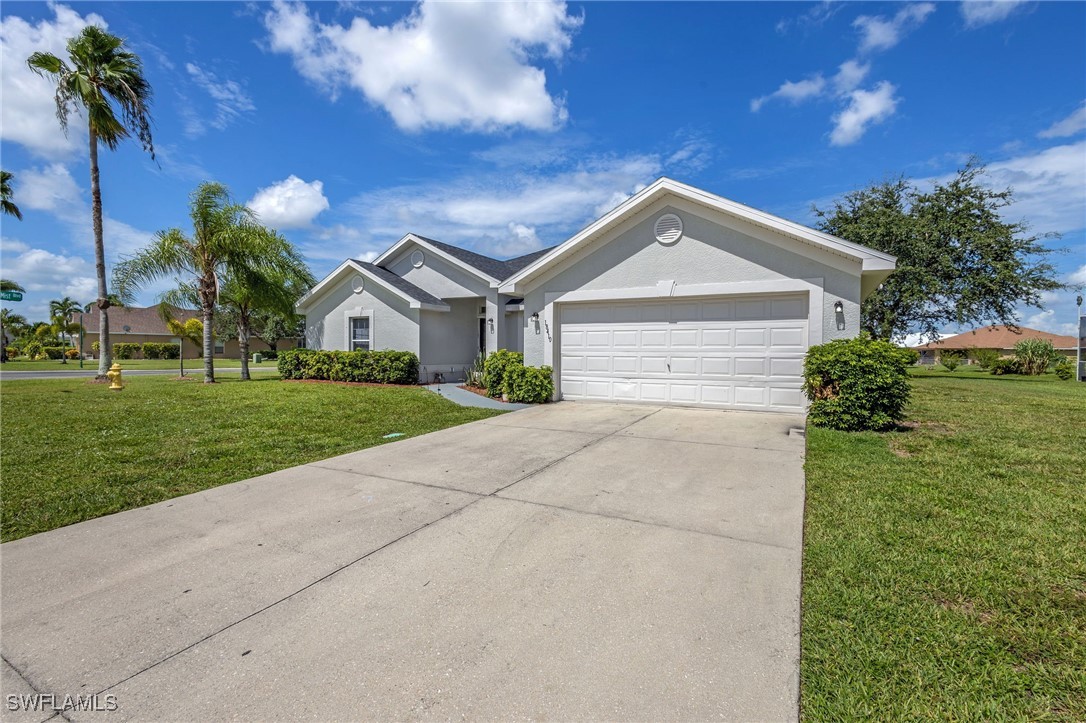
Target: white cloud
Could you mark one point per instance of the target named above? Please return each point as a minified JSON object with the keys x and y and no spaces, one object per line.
{"x":462,"y":64}
{"x":28,"y":112}
{"x":849,"y":75}
{"x":878,"y":32}
{"x":1078,"y":276}
{"x":1049,"y":320}
{"x":793,"y":92}
{"x":811,"y":19}
{"x":38,"y":270}
{"x":1069,"y":126}
{"x":1048,"y":187}
{"x":983,"y":12}
{"x":51,"y":188}
{"x":865,"y":108}
{"x":290,"y":203}
{"x":231,"y":101}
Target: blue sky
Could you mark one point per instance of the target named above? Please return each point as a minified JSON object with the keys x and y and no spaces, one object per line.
{"x":507,"y":127}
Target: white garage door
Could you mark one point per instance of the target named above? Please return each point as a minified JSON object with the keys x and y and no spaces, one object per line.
{"x":737,"y":352}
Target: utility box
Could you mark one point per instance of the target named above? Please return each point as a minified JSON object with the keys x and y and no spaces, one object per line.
{"x":257,"y":358}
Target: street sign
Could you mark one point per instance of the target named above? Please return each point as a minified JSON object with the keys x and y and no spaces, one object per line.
{"x":11,"y":295}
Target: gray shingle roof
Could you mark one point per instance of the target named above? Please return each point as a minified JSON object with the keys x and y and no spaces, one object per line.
{"x":500,"y":270}
{"x":400,"y":283}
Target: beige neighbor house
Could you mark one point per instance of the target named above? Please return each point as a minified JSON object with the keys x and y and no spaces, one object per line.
{"x":136,"y":325}
{"x":675,"y":296}
{"x":998,"y":337}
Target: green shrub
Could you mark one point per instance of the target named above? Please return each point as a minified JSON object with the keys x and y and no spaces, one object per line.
{"x":12,"y":352}
{"x":856,"y":384}
{"x":72,"y":353}
{"x":160,"y":350}
{"x":1008,"y":365}
{"x":125,"y":350}
{"x":950,"y":359}
{"x":1065,"y":369}
{"x":912,"y":356}
{"x":96,"y":347}
{"x":1035,"y":355}
{"x":529,"y":385}
{"x":268,"y":355}
{"x":494,"y":370}
{"x":985,"y":358}
{"x":53,"y":352}
{"x":33,"y":350}
{"x":376,"y":367}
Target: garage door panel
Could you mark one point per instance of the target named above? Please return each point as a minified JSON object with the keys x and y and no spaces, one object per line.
{"x":743,"y":352}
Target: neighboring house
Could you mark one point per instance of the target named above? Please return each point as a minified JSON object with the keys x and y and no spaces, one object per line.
{"x":676,"y":296}
{"x":998,"y":337}
{"x":135,"y":325}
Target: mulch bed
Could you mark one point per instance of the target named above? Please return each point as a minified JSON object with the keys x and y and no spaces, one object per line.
{"x":475,"y":390}
{"x":348,"y":384}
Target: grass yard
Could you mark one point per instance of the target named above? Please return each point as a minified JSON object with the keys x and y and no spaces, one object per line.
{"x":945,"y":566}
{"x":192,"y":366}
{"x":73,"y":450}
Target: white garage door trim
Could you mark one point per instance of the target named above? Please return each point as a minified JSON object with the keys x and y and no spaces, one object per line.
{"x":730,"y":352}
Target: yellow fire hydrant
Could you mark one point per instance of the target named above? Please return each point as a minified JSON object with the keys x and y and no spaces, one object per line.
{"x":114,"y":375}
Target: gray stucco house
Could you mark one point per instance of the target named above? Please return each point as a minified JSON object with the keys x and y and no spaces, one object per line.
{"x":676,"y":296}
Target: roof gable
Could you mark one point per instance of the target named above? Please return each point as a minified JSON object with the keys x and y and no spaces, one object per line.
{"x":997,"y":336}
{"x":873,"y":263}
{"x":415,"y":297}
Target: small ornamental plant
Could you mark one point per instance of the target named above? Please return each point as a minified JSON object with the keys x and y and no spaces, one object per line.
{"x":856,"y":384}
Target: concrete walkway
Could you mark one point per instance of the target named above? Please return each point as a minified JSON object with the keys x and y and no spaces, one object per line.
{"x":564,"y":561}
{"x":454,"y":393}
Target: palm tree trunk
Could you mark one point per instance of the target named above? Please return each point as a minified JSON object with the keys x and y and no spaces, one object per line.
{"x":209,"y":345}
{"x":105,"y":352}
{"x":243,"y":345}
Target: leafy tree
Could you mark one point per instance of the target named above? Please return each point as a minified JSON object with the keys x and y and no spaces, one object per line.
{"x":106,"y":82}
{"x":274,"y":289}
{"x":61,"y":312}
{"x":11,"y":323}
{"x":225,"y":242}
{"x":271,"y":328}
{"x":7,"y":205}
{"x":959,"y":262}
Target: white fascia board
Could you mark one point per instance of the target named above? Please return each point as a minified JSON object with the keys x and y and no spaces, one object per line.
{"x":335,"y":277}
{"x":869,"y":258}
{"x":397,"y":247}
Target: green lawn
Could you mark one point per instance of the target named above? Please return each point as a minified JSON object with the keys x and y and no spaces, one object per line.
{"x":191,"y":365}
{"x":73,"y":450}
{"x":945,"y":565}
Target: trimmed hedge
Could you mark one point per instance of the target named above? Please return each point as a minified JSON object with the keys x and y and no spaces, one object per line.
{"x":530,"y":385}
{"x":160,"y":350}
{"x":856,"y":384}
{"x":53,"y":352}
{"x":375,"y":367}
{"x":494,"y":369}
{"x":125,"y":350}
{"x":266,"y":355}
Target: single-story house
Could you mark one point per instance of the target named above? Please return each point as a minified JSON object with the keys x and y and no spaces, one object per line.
{"x":136,"y":325}
{"x":675,"y":296}
{"x":996,"y":336}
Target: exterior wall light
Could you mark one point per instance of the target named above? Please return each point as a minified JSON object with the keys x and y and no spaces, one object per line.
{"x":534,"y":318}
{"x":839,"y":314}
{"x":838,"y":308}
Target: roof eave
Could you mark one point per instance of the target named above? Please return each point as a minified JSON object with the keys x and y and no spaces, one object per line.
{"x":395,"y":249}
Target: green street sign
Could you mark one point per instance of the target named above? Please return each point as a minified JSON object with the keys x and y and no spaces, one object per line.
{"x":11,"y":295}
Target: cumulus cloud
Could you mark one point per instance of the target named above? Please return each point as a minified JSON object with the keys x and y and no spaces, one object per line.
{"x":1069,"y":126}
{"x":1047,"y":187}
{"x":464,"y":64}
{"x":28,"y":113}
{"x":231,"y":101}
{"x":50,"y":188}
{"x":877,"y":32}
{"x":984,"y":12}
{"x":865,"y":108}
{"x":793,"y":92}
{"x":38,"y":270}
{"x":290,"y":203}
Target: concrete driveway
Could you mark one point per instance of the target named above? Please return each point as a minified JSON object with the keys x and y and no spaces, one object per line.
{"x":565,"y":561}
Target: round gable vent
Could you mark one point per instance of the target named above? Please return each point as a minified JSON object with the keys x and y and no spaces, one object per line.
{"x":417,"y":259}
{"x":358,"y":284}
{"x":668,"y":228}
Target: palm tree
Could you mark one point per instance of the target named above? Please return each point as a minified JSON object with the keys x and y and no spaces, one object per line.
{"x":191,"y":330}
{"x":9,"y":285}
{"x":8,"y":206}
{"x":106,"y":81}
{"x":272,"y":289}
{"x":225,"y":241}
{"x":13,"y":323}
{"x":61,"y":311}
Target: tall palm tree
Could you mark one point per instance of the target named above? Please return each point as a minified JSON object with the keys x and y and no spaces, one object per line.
{"x":8,"y":206}
{"x":12,"y":323}
{"x":9,"y":285}
{"x":61,"y":311}
{"x":224,"y":241}
{"x":272,"y":288}
{"x":106,"y":81}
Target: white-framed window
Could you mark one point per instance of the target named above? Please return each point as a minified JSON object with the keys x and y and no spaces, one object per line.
{"x":220,"y":347}
{"x":359,"y":329}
